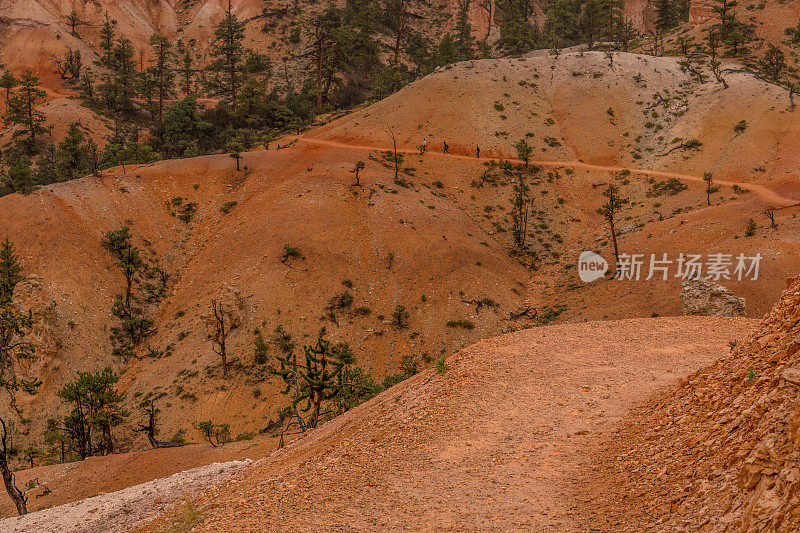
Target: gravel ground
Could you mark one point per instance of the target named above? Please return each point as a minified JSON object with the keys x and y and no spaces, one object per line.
{"x":119,"y":510}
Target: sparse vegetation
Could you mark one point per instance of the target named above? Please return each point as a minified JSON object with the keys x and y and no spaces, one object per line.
{"x":751,"y":228}
{"x":400,"y":317}
{"x":461,"y":323}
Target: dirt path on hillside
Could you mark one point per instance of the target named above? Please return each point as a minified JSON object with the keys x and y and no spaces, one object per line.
{"x":504,"y":440}
{"x":768,"y":195}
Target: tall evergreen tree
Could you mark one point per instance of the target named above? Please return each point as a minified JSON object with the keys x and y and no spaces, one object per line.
{"x":72,"y":156}
{"x":597,"y":19}
{"x":107,"y":39}
{"x":125,"y":75}
{"x":10,"y":271}
{"x":773,"y":64}
{"x":186,"y":58}
{"x":22,"y":108}
{"x":96,"y":410}
{"x":667,"y":16}
{"x":465,"y":42}
{"x":20,"y":178}
{"x":162,"y":71}
{"x":8,"y":81}
{"x":74,"y":21}
{"x":227,"y":67}
{"x":562,"y":24}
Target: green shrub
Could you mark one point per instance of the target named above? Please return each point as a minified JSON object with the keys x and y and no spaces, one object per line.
{"x":751,"y":228}
{"x":461,"y":323}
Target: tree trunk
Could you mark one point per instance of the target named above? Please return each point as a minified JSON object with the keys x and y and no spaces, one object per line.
{"x":14,"y":493}
{"x":614,"y":237}
{"x":8,"y":479}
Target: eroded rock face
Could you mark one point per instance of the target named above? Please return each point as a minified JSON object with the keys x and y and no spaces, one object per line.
{"x":31,"y":296}
{"x":704,"y":298}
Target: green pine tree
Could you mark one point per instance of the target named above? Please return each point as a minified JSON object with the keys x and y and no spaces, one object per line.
{"x":10,"y":271}
{"x":72,"y":156}
{"x":22,"y":109}
{"x":162,"y":71}
{"x":227,"y":67}
{"x":465,"y":42}
{"x":8,"y":81}
{"x":667,"y":15}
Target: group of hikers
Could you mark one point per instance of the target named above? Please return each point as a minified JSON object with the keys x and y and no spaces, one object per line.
{"x":446,"y":149}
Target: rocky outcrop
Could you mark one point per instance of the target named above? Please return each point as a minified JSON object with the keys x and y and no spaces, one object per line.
{"x":704,"y":298}
{"x":727,"y":442}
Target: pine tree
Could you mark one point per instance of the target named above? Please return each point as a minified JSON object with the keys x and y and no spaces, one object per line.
{"x":597,"y":19}
{"x":107,"y":37}
{"x":8,"y":82}
{"x":667,"y":16}
{"x":186,"y":54}
{"x":13,"y":348}
{"x":183,"y":130}
{"x":710,"y":187}
{"x":396,"y":17}
{"x":46,"y":165}
{"x":610,"y":210}
{"x":624,"y":32}
{"x":20,"y":178}
{"x":465,"y":42}
{"x":517,"y":35}
{"x":96,"y":410}
{"x":773,"y":64}
{"x":729,"y":30}
{"x":72,"y":155}
{"x":10,"y":271}
{"x":227,"y":67}
{"x":125,"y":79}
{"x":74,"y":21}
{"x":519,"y":210}
{"x":524,"y":151}
{"x":119,"y":243}
{"x":16,"y":495}
{"x":162,"y":71}
{"x":22,"y":108}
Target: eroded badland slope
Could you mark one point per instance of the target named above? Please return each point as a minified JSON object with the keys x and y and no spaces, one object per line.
{"x":436,"y":241}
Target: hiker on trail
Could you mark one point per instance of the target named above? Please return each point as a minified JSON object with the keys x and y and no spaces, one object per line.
{"x":446,"y":148}
{"x":477,"y":152}
{"x":424,"y":145}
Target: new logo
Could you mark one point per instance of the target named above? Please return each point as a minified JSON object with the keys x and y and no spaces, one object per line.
{"x":591,"y":266}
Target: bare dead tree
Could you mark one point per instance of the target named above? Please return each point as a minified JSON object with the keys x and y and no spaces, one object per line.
{"x":151,"y":410}
{"x":477,"y":303}
{"x":770,"y":213}
{"x":528,"y":311}
{"x":358,"y":168}
{"x":220,"y":334}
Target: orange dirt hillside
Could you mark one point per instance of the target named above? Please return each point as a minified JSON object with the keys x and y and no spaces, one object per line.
{"x":504,"y":439}
{"x":581,"y":106}
{"x":435,"y":242}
